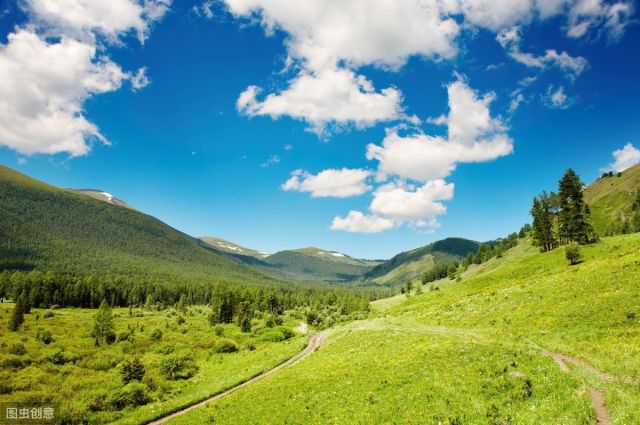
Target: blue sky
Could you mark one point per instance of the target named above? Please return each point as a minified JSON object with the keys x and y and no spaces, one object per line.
{"x":406,"y":126}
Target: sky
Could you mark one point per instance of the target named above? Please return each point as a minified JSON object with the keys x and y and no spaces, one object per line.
{"x":364,"y":127}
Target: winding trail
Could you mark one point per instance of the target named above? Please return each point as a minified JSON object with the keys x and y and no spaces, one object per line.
{"x":596,"y":396}
{"x":316,"y":341}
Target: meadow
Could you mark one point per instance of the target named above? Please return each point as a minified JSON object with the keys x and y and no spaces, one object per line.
{"x":185,"y":359}
{"x":472,"y":352}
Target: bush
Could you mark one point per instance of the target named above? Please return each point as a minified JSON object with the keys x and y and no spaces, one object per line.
{"x":132,"y":394}
{"x":280,"y":333}
{"x":18,"y":349}
{"x":126,"y":336}
{"x":45,"y":337}
{"x":225,"y":345}
{"x":132,"y":370}
{"x":165,"y":349}
{"x":178,"y":367}
{"x":219,"y":330}
{"x":572,"y":253}
{"x":156,"y":334}
{"x":48,"y":314}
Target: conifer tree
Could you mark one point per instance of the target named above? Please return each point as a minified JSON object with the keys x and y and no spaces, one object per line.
{"x":572,"y":221}
{"x":17,"y":315}
{"x":103,"y":324}
{"x":542,"y":213}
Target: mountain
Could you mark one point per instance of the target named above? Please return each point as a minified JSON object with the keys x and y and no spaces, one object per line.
{"x":411,"y":263}
{"x":610,"y":200}
{"x":319,"y":264}
{"x":48,"y":228}
{"x":308,"y":264}
{"x":101,"y":196}
{"x":231,"y":247}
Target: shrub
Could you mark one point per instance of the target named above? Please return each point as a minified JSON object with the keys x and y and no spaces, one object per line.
{"x":178,"y":367}
{"x":219,"y":330}
{"x":126,"y":336}
{"x":572,"y":253}
{"x":225,"y":345}
{"x":180,"y":320}
{"x":132,"y":370}
{"x":132,"y":394}
{"x":280,"y":333}
{"x":48,"y":314}
{"x":165,"y":349}
{"x":156,"y":334}
{"x":18,"y":349}
{"x":45,"y":337}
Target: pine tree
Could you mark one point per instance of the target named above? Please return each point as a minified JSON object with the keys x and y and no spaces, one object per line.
{"x":572,"y":225}
{"x":542,"y":213}
{"x":17,"y":316}
{"x":103,"y":324}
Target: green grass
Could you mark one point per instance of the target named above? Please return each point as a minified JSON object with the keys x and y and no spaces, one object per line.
{"x":91,"y":374}
{"x":610,"y":200}
{"x":452,"y":354}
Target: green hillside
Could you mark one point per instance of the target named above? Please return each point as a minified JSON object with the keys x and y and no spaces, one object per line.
{"x":610,"y":200}
{"x":475,"y":352}
{"x":50,"y":229}
{"x":408,"y":265}
{"x":318,"y":264}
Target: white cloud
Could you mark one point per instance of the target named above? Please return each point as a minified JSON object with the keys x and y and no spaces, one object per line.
{"x":516,"y":101}
{"x":357,"y":222}
{"x":42,"y":89}
{"x":328,"y":41}
{"x":384,"y":33}
{"x":330,"y":96}
{"x":82,"y":18}
{"x":610,"y":19}
{"x":473,"y":136}
{"x":140,"y":80}
{"x":625,"y":158}
{"x":401,"y":202}
{"x":272,"y":160}
{"x":53,"y":64}
{"x":205,"y":9}
{"x":556,"y":98}
{"x":340,"y":183}
{"x":573,"y":66}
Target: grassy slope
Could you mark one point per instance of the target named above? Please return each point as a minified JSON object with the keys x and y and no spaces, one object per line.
{"x":49,"y":228}
{"x":466,"y":351}
{"x":408,"y":265}
{"x":611,"y":198}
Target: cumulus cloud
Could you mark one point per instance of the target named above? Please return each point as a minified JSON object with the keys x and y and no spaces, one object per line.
{"x":402,"y":202}
{"x":625,"y":158}
{"x":328,"y":41}
{"x":53,"y":64}
{"x":473,"y":136}
{"x":418,"y":163}
{"x":357,"y":222}
{"x":84,"y":18}
{"x":339,"y":183}
{"x":330,"y":96}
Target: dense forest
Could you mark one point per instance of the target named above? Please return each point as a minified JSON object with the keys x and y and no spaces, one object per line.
{"x":67,"y":249}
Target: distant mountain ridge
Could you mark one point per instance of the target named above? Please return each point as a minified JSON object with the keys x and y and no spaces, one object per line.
{"x":310,"y":264}
{"x":407,"y":265}
{"x":102,"y":196}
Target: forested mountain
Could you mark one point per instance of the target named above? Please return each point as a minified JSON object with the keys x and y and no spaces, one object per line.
{"x":318,"y":264}
{"x":611,"y":199}
{"x":67,"y":248}
{"x":409,"y":264}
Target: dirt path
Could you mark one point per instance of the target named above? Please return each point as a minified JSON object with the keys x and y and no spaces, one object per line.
{"x":316,"y":341}
{"x":597,"y":397}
